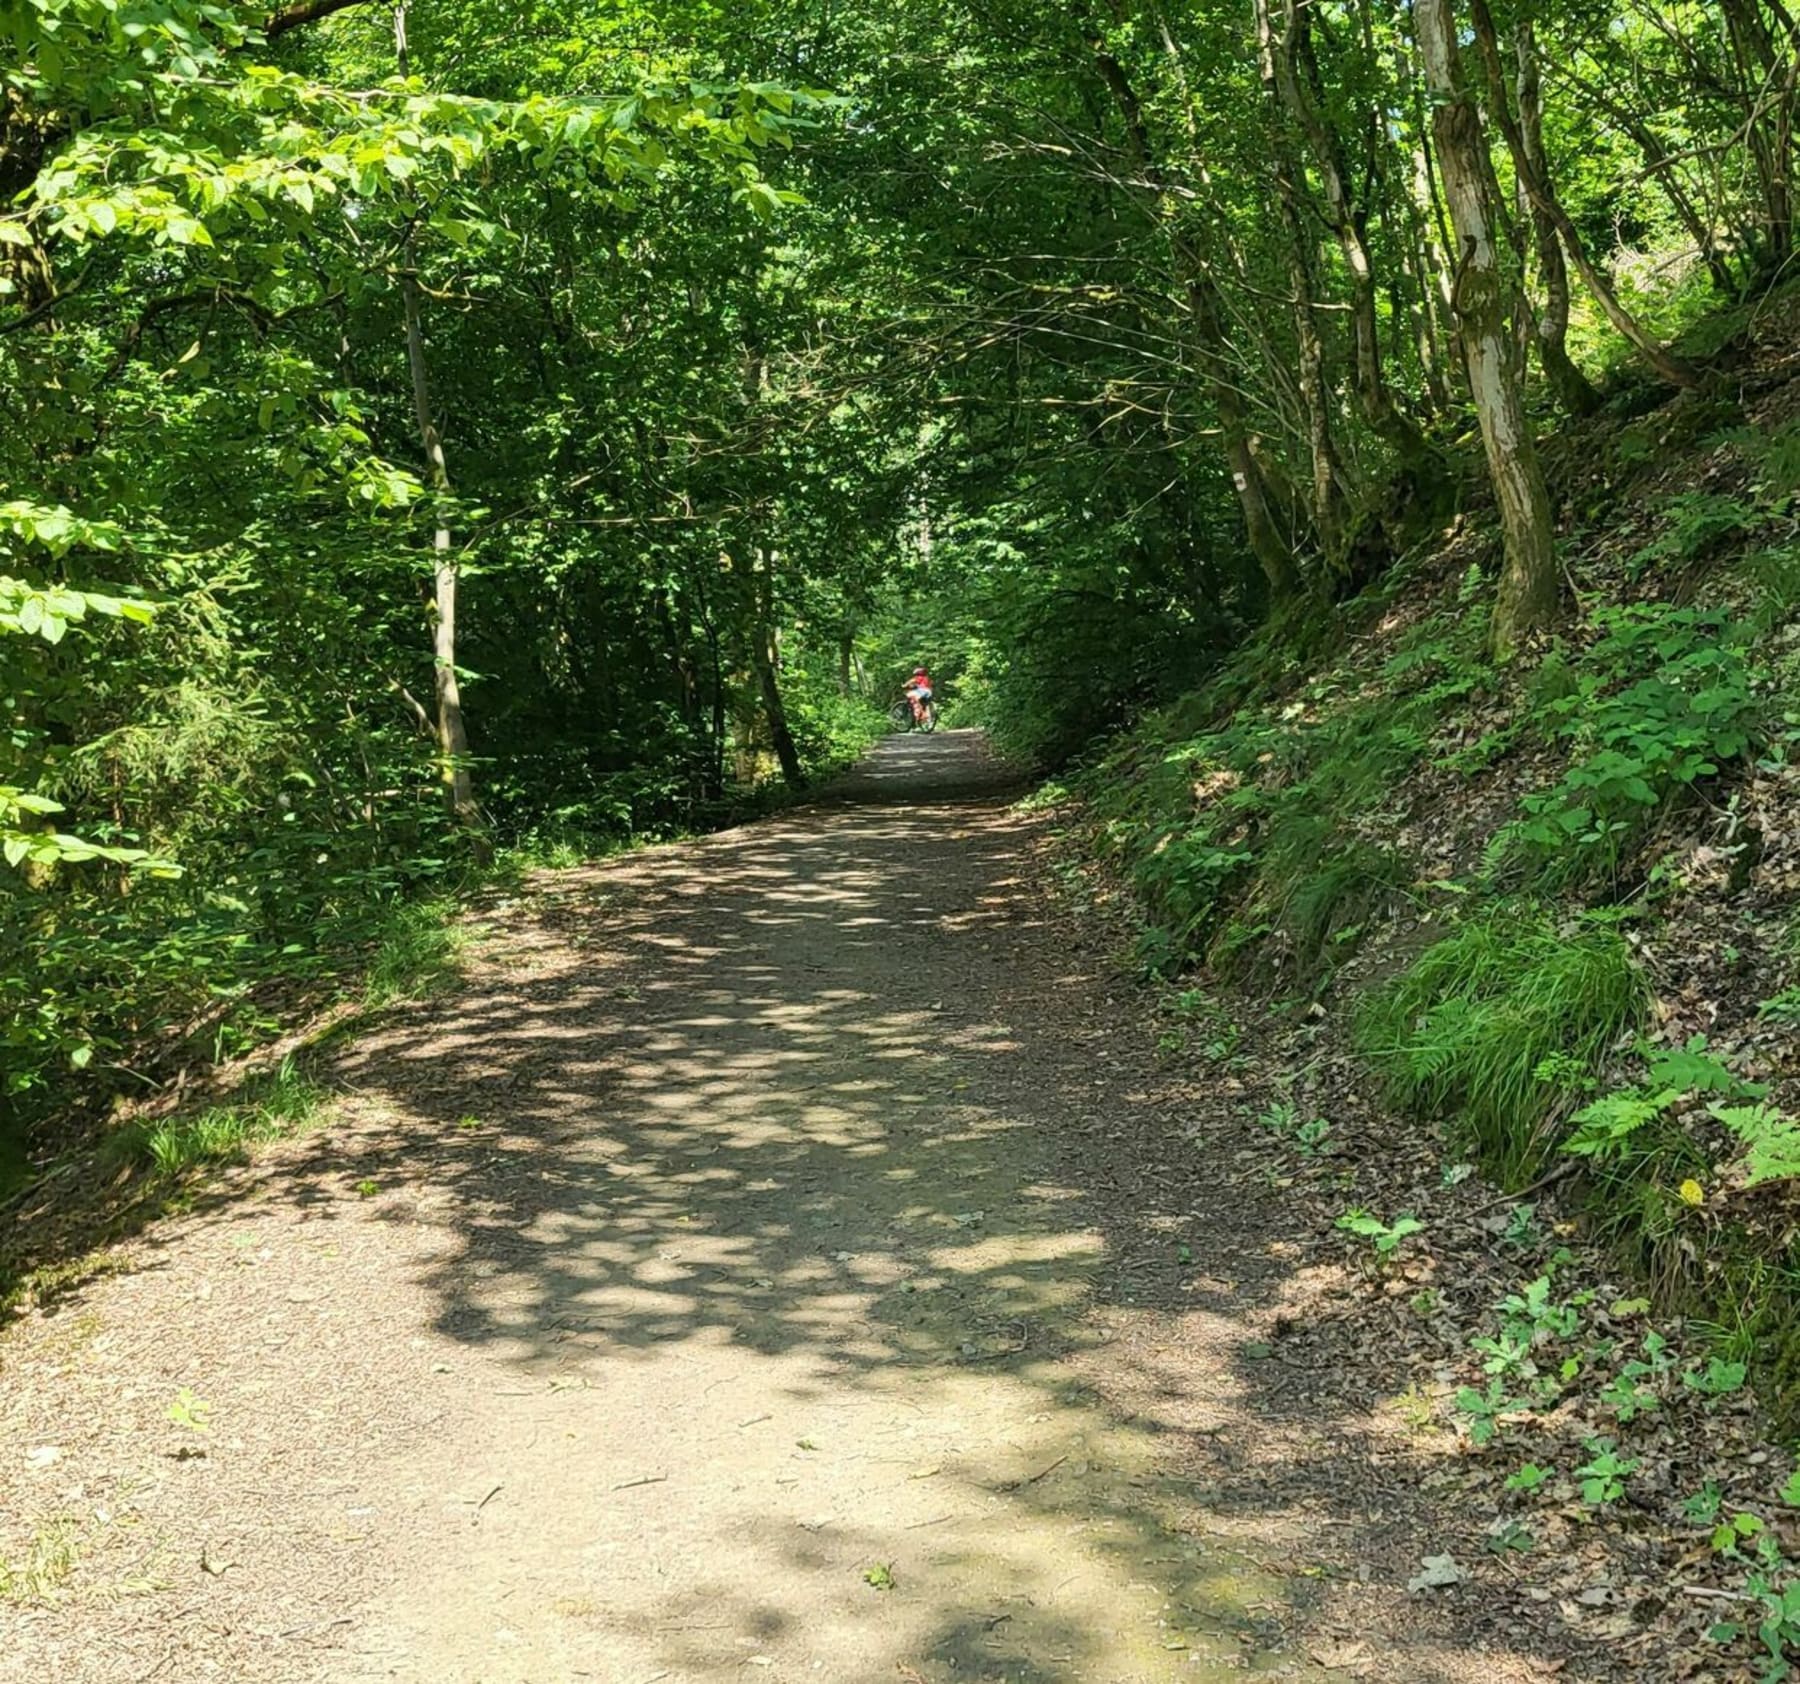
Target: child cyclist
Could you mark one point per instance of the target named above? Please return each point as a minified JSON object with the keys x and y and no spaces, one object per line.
{"x":918,"y":692}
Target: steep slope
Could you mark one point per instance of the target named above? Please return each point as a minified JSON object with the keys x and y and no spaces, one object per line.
{"x":1545,"y":922}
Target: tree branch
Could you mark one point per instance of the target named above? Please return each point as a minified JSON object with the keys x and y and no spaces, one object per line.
{"x":48,"y":306}
{"x":303,"y":12}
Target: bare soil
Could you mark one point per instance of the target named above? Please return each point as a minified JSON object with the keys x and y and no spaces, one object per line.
{"x":781,"y":1257}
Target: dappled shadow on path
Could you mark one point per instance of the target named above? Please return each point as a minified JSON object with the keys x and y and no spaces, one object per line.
{"x":781,"y":1173}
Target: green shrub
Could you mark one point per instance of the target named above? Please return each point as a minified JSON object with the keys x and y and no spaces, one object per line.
{"x":1699,"y":524}
{"x":1240,"y":836}
{"x":1775,"y":573}
{"x":1498,"y":1028}
{"x":1184,"y":879}
{"x":1664,"y":699}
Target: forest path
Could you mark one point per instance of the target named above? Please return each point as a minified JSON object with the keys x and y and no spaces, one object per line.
{"x":768,"y":1264}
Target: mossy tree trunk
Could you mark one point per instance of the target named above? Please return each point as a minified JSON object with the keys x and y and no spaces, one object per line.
{"x":1481,"y":295}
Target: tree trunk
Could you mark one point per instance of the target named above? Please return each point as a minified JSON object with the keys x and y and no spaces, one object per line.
{"x":714,"y":788}
{"x":452,"y":732}
{"x":1574,"y":391}
{"x":1528,"y":582}
{"x":1428,"y":270}
{"x":764,"y":659}
{"x":1271,"y":549}
{"x":1273,"y":552}
{"x":1542,"y":194}
{"x":1328,"y":474}
{"x":786,"y":752}
{"x":775,"y":712}
{"x":1285,"y":50}
{"x":1440,"y":237}
{"x":1330,"y":516}
{"x":1769,"y":123}
{"x":683,"y":667}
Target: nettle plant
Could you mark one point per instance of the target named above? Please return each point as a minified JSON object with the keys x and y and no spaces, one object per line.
{"x":1532,"y":1321}
{"x":1309,"y":1136}
{"x":1664,"y":699}
{"x":1487,"y":1412}
{"x":1384,"y":1238}
{"x":1632,"y":1391}
{"x":1771,"y":1589}
{"x":1602,"y":1478}
{"x":1771,"y":1595}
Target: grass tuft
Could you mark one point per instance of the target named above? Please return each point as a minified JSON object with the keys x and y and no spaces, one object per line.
{"x":1318,"y":893}
{"x":1501,"y":1026}
{"x":47,"y":1564}
{"x":419,"y":950}
{"x":169,"y":1147}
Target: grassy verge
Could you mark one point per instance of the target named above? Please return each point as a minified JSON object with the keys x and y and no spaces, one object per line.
{"x":109,"y":1181}
{"x":169,"y":1148}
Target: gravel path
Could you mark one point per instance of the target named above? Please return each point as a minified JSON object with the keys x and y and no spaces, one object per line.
{"x":769,"y":1264}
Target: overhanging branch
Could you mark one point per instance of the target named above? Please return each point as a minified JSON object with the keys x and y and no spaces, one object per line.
{"x":303,"y":12}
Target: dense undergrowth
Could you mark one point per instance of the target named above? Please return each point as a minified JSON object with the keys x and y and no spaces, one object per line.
{"x":1553,"y":909}
{"x":116,"y":1001}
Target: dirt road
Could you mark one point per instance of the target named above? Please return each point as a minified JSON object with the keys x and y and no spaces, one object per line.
{"x":780,"y":1259}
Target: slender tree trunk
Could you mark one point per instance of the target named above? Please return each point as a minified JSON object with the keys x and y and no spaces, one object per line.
{"x":1268,"y":543}
{"x":1574,"y":391}
{"x":763,"y":659}
{"x":1249,"y":479}
{"x":1528,"y":582}
{"x":1328,"y":475}
{"x":1769,"y":124}
{"x":676,"y":645}
{"x":775,"y":711}
{"x":1428,"y":269}
{"x":1330,"y":516}
{"x":1247,"y":325}
{"x":1437,"y":239}
{"x":1542,"y":193}
{"x":452,"y":732}
{"x":714,"y":788}
{"x":1287,"y":49}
